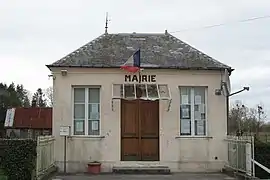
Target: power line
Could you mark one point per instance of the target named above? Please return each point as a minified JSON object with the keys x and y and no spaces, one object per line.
{"x":222,"y":24}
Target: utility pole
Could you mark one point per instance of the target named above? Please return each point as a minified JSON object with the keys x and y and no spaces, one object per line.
{"x":240,"y":118}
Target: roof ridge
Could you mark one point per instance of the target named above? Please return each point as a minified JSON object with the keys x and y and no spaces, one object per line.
{"x":140,"y":33}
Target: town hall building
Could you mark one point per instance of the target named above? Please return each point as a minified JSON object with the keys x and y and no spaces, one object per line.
{"x":170,"y":113}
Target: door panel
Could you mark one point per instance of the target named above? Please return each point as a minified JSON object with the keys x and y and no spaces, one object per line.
{"x":130,"y":148}
{"x":150,"y":149}
{"x":149,"y":117}
{"x":129,"y":119}
{"x":149,"y":120}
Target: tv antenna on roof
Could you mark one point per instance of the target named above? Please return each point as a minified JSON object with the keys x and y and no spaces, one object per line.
{"x":106,"y":23}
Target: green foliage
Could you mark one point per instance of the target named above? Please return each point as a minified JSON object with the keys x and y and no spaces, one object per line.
{"x":266,"y":127}
{"x":2,"y":119}
{"x":2,"y":177}
{"x":18,"y":158}
{"x":262,"y":155}
{"x":13,"y":96}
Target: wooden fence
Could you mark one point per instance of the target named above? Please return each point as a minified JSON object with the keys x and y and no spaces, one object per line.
{"x":45,"y":155}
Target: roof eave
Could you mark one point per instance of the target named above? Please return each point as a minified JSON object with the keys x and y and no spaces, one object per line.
{"x":49,"y":66}
{"x":163,"y":67}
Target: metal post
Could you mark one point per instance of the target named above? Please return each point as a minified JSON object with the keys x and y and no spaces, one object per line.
{"x":260,"y":112}
{"x":253,"y":157}
{"x":237,"y":153}
{"x":65,"y":154}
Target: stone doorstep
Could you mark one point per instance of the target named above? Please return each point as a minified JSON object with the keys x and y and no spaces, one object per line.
{"x":141,"y":169}
{"x":140,"y":166}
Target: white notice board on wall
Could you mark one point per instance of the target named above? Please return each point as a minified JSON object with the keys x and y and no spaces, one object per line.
{"x":64,"y":130}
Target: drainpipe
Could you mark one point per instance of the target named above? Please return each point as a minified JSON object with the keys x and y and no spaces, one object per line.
{"x":228,"y":107}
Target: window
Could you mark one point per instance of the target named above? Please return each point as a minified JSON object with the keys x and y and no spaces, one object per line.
{"x":141,"y":91}
{"x":193,"y":111}
{"x":86,"y":112}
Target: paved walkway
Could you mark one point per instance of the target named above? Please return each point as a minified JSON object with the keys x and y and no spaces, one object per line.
{"x":178,"y":176}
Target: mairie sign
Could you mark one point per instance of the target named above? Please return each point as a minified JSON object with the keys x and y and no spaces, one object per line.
{"x":140,"y":78}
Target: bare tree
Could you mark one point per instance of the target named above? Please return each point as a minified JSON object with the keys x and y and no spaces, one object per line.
{"x":243,"y":119}
{"x":261,"y":118}
{"x":49,"y":95}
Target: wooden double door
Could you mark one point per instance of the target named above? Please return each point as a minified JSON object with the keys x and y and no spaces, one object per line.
{"x":139,"y":130}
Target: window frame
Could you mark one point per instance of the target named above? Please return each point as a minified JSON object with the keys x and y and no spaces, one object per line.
{"x":86,"y":103}
{"x":146,"y":88}
{"x":192,"y":114}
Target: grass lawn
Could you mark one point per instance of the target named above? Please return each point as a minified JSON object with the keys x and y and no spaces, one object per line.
{"x":264,"y":137}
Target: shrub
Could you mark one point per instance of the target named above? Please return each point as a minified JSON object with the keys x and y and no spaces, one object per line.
{"x":262,"y":155}
{"x":18,"y":158}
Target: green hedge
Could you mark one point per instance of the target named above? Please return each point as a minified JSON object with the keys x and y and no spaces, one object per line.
{"x":18,"y":158}
{"x":2,"y":175}
{"x":262,"y":155}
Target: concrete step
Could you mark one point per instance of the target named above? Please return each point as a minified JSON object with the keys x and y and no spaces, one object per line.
{"x":141,"y":169}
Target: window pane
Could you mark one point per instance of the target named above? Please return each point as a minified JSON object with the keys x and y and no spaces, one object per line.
{"x":93,"y":95}
{"x":199,"y":95}
{"x":79,"y":111}
{"x":141,"y":91}
{"x":185,"y":125}
{"x":93,"y":127}
{"x":79,"y":127}
{"x":185,"y":111}
{"x":118,"y":90}
{"x":152,"y":91}
{"x":163,"y":91}
{"x":94,"y":111}
{"x":199,"y":111}
{"x":199,"y":107}
{"x":79,"y":95}
{"x":129,"y":91}
{"x":185,"y":97}
{"x":200,"y":127}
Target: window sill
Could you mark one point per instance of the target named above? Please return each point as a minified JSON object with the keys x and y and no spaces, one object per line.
{"x":86,"y":137}
{"x":193,"y":137}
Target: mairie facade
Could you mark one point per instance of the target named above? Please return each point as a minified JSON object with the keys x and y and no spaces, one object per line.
{"x":172,"y":113}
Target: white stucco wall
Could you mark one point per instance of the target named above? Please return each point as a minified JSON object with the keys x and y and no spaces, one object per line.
{"x":180,"y":154}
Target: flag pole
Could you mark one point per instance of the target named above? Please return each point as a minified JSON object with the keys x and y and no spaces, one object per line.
{"x":140,"y":76}
{"x":140,"y":66}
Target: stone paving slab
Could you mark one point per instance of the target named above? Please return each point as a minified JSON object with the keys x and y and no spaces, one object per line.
{"x":178,"y":176}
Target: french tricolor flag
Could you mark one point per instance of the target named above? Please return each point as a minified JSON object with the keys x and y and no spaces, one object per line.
{"x":133,"y":63}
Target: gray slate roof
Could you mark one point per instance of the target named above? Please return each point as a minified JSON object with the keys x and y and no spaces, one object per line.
{"x":157,"y":51}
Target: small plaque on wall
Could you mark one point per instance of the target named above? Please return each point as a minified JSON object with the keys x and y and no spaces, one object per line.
{"x":64,"y":130}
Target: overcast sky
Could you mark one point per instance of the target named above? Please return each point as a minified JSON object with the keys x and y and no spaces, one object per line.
{"x":34,"y":33}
